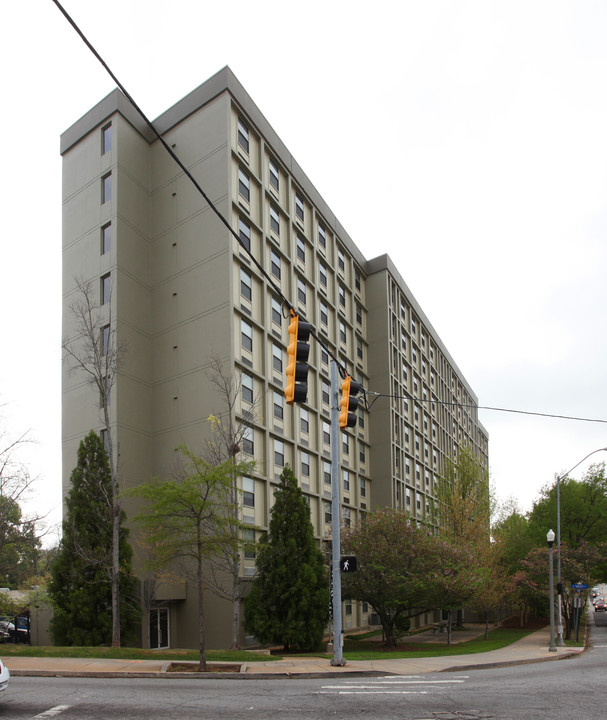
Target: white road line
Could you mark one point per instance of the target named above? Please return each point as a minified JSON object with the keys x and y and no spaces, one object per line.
{"x":53,"y":712}
{"x":374,"y":692}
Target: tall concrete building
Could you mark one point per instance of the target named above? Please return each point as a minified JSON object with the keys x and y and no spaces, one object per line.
{"x":180,"y":290}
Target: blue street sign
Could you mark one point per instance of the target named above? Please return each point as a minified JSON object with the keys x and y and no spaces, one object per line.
{"x":579,"y":586}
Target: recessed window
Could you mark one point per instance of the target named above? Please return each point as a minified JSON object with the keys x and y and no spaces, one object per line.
{"x":246,"y":285}
{"x":274,"y":220}
{"x":276,"y":313}
{"x":328,"y":512}
{"x":305,"y":464}
{"x":248,"y":537}
{"x":346,"y":479}
{"x":322,"y":274}
{"x":363,"y":487}
{"x":106,"y":138}
{"x":106,"y":238}
{"x":322,"y":236}
{"x":342,"y":295}
{"x":279,"y":453}
{"x":105,"y":340}
{"x":274,"y":174}
{"x":326,"y":394}
{"x":243,"y":135}
{"x":326,"y":472}
{"x":248,"y":492}
{"x":299,"y":207}
{"x":244,"y":233}
{"x":301,"y":291}
{"x":244,"y":185}
{"x":278,"y":405}
{"x":247,"y":388}
{"x":248,"y":436}
{"x":324,"y":313}
{"x":301,"y":249}
{"x":106,"y":188}
{"x":326,"y":433}
{"x":357,"y":278}
{"x":342,"y":332}
{"x":304,"y":420}
{"x":106,"y":289}
{"x":246,"y":335}
{"x":341,"y":261}
{"x":275,"y":264}
{"x":277,"y":358}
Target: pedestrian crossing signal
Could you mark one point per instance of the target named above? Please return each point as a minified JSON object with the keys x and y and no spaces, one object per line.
{"x":348,"y":563}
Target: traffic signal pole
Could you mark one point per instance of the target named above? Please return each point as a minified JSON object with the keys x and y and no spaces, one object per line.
{"x":338,"y":658}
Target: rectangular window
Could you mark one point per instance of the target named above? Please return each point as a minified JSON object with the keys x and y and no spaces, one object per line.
{"x":246,"y":335}
{"x":244,"y":233}
{"x":326,"y":433}
{"x":324,"y":313}
{"x":301,"y":291}
{"x":248,"y":437}
{"x":279,"y":453}
{"x":106,"y":188}
{"x":248,"y":537}
{"x":277,"y":358}
{"x":243,"y":136}
{"x":276,"y":313}
{"x":345,"y":444}
{"x":301,"y":249}
{"x":244,"y":185}
{"x":106,"y":289}
{"x":322,"y":236}
{"x":346,"y":479}
{"x":357,"y":278}
{"x":322,"y":274}
{"x":274,"y":220}
{"x":305,"y":464}
{"x":248,"y":492}
{"x":105,"y":340}
{"x":246,"y":285}
{"x":299,"y":207}
{"x":106,"y":138}
{"x":326,"y":472}
{"x":347,"y":522}
{"x":304,"y":420}
{"x":328,"y":512}
{"x":106,"y":238}
{"x":341,"y":261}
{"x":274,"y":174}
{"x":326,"y":394}
{"x":363,"y":487}
{"x":275,"y":264}
{"x":342,"y":332}
{"x":342,"y":296}
{"x":278,"y":405}
{"x":247,"y":388}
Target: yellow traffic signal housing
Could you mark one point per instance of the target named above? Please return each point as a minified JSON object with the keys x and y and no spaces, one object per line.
{"x":298,"y":351}
{"x":349,"y":403}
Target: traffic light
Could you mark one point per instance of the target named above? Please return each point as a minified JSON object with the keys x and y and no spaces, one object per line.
{"x":297,"y":360}
{"x":349,"y":403}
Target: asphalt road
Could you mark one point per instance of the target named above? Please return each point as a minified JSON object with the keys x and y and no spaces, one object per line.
{"x":555,"y":690}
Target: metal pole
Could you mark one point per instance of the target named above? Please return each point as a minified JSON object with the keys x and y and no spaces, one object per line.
{"x":552,"y":647}
{"x":335,"y":520}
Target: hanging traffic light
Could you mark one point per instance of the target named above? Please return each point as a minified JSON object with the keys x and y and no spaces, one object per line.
{"x":298,"y":351}
{"x":349,"y":403}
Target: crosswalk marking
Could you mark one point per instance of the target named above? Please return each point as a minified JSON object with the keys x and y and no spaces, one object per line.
{"x":390,"y":685}
{"x":52,"y":712}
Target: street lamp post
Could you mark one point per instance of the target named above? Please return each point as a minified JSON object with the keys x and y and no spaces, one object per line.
{"x":559,"y":578}
{"x":550,"y":538}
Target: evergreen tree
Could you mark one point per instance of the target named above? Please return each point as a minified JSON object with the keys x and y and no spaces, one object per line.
{"x":289,"y":599}
{"x":81,"y":584}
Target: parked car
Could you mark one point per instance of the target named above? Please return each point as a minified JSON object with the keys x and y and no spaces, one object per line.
{"x":600,"y":607}
{"x":4,"y":676}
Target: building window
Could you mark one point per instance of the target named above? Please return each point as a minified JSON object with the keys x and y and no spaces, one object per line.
{"x":106,"y":138}
{"x":105,"y":340}
{"x":328,"y":512}
{"x":326,"y":472}
{"x":305,"y":464}
{"x":299,"y":207}
{"x":277,"y":358}
{"x":106,"y":188}
{"x":345,"y":443}
{"x":301,"y":249}
{"x":243,"y":136}
{"x":106,"y":288}
{"x":342,"y":296}
{"x":276,"y":313}
{"x":322,"y":236}
{"x":326,"y":394}
{"x":106,"y":238}
{"x":359,"y":348}
{"x":346,"y":479}
{"x":274,"y":174}
{"x":248,"y":492}
{"x":359,"y":313}
{"x":347,"y":523}
{"x":244,"y":185}
{"x":326,"y":433}
{"x":244,"y":233}
{"x":362,"y":454}
{"x":246,"y":289}
{"x":275,"y":264}
{"x":247,"y":388}
{"x":279,"y":453}
{"x":246,"y":335}
{"x":304,"y":420}
{"x":322,"y":274}
{"x":324,"y":313}
{"x":357,"y":278}
{"x":301,"y":291}
{"x":341,"y":261}
{"x":274,"y":220}
{"x":363,"y":488}
{"x":105,"y":439}
{"x":342,"y":332}
{"x":278,"y":405}
{"x":248,"y":537}
{"x":248,"y":437}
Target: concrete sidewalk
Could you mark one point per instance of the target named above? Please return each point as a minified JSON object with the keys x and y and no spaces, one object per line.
{"x":532,"y":648}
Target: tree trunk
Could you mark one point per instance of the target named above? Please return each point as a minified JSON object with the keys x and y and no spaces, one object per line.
{"x":235,"y":606}
{"x":487,"y":625}
{"x":448,"y":627}
{"x":116,"y":572}
{"x":202,"y":667}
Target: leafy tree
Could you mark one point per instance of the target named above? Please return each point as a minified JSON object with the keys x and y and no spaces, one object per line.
{"x":289,"y":598}
{"x":188,"y":519}
{"x":81,"y":584}
{"x":394,"y":558}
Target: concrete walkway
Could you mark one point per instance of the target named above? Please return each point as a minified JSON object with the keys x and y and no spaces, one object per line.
{"x":532,"y":648}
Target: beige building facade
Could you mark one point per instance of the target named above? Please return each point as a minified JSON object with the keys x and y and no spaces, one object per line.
{"x":179,"y":290}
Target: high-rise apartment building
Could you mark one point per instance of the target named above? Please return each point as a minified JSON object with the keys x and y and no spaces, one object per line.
{"x":182,"y":291}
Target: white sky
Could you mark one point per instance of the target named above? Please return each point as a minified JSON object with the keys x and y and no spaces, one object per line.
{"x":466,"y":139}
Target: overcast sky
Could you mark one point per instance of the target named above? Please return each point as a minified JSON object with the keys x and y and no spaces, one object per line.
{"x":468,"y":140}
